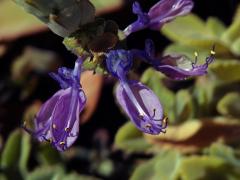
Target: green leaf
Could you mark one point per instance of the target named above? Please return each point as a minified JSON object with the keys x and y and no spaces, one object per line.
{"x":163,"y":166}
{"x":14,"y":22}
{"x":130,"y":139}
{"x":230,"y":104}
{"x":146,"y":170}
{"x":237,"y":14}
{"x":3,"y":177}
{"x":188,"y":51}
{"x":11,"y":151}
{"x":105,"y":168}
{"x":48,"y":155}
{"x":183,"y":106}
{"x":204,"y":96}
{"x":167,"y":166}
{"x":226,"y":71}
{"x":235,"y":47}
{"x":46,"y":173}
{"x":191,"y":27}
{"x":75,"y":176}
{"x":233,"y":31}
{"x":225,"y":152}
{"x":25,"y":153}
{"x":106,"y":5}
{"x":154,"y":80}
{"x":191,"y":30}
{"x":201,"y":167}
{"x":215,"y":26}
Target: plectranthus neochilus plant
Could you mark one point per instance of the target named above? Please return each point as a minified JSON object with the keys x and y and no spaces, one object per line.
{"x":95,"y":40}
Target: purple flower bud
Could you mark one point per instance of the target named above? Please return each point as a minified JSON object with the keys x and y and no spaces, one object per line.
{"x":161,"y":13}
{"x":119,"y":61}
{"x":58,"y":119}
{"x":142,"y":106}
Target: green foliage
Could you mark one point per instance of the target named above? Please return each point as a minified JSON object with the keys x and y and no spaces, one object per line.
{"x":183,"y":105}
{"x":16,"y":153}
{"x":14,"y":22}
{"x":46,"y":173}
{"x":217,"y":162}
{"x":226,"y":71}
{"x":215,"y":26}
{"x":157,"y":168}
{"x":130,"y":139}
{"x":193,"y":32}
{"x":47,"y":155}
{"x":11,"y":152}
{"x":229,"y":104}
{"x":25,"y":153}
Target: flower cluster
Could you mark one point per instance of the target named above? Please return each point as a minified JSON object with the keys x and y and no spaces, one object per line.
{"x":58,"y":119}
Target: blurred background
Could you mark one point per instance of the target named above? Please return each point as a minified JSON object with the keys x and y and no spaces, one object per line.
{"x":203,"y":137}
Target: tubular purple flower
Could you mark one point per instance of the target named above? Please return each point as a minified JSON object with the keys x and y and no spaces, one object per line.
{"x":180,"y":67}
{"x":138,"y":101}
{"x":58,"y":119}
{"x":161,"y":13}
{"x":142,"y":106}
{"x":177,"y":67}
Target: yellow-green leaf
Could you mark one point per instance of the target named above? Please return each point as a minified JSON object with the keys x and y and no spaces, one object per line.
{"x":215,"y":26}
{"x":14,"y":22}
{"x":130,"y":139}
{"x":226,"y":70}
{"x":230,"y":104}
{"x":191,"y":30}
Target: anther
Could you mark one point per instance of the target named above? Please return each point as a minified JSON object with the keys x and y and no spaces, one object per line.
{"x":165,"y":122}
{"x":141,"y":116}
{"x":164,"y":131}
{"x":62,"y":143}
{"x":213,"y":52}
{"x":54,"y":126}
{"x":196,"y":54}
{"x":148,"y":126}
{"x":67,"y":129}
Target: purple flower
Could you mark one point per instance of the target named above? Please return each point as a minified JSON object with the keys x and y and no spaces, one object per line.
{"x":138,"y":101}
{"x":161,"y":13}
{"x":142,"y":106}
{"x":176,"y":67}
{"x":58,"y":119}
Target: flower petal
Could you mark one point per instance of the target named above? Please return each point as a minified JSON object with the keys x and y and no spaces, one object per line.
{"x":167,"y":10}
{"x":161,"y":13}
{"x":65,"y":118}
{"x":42,"y":120}
{"x":179,"y":67}
{"x":142,"y":106}
{"x":119,"y":61}
{"x":141,"y":23}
